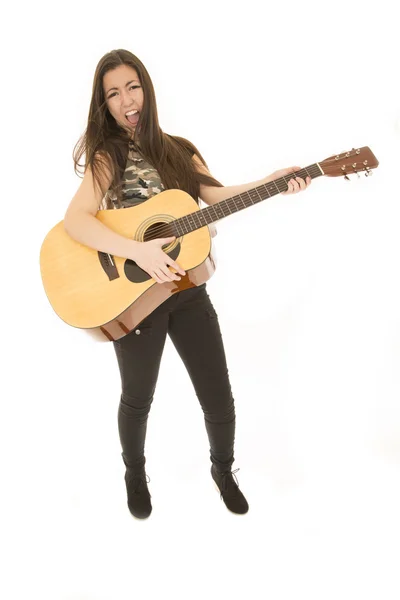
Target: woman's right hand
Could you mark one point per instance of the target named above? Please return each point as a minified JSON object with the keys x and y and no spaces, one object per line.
{"x":151,"y":258}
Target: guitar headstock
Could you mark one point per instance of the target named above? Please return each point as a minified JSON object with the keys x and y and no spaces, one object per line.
{"x":360,"y":159}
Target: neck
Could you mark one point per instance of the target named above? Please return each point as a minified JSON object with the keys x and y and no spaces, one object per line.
{"x":222,"y":209}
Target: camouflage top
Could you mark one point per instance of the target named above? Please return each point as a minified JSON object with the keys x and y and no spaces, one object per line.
{"x":140,"y":180}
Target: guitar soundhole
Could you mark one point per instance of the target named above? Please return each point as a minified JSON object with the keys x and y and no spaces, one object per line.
{"x":157,"y":230}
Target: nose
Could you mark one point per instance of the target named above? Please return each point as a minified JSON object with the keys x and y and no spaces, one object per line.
{"x":126,"y":101}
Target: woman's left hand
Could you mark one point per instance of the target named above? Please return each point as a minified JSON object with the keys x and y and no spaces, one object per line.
{"x":295,"y":184}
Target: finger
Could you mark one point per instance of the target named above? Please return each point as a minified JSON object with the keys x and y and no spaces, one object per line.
{"x":162,"y":277}
{"x":289,"y":190}
{"x":294,"y":169}
{"x":157,"y":278}
{"x":166,"y":241}
{"x":301,"y":183}
{"x":175,"y":265}
{"x":169,"y":274}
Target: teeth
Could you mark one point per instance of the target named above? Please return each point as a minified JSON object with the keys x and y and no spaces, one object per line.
{"x":131,"y":112}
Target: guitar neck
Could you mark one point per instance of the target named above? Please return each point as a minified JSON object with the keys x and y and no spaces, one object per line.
{"x":227,"y":207}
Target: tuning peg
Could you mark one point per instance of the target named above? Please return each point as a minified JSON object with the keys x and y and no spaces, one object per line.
{"x":368,"y":172}
{"x":347,"y":178}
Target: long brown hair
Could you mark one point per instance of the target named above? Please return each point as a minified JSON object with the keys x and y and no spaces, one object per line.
{"x":104,"y":140}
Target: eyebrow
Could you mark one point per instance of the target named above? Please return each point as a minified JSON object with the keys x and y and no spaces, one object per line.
{"x":114,"y":88}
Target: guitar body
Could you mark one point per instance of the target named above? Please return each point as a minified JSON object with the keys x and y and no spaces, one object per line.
{"x":108,"y":296}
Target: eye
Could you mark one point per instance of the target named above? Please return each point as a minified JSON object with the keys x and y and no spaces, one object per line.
{"x":132,"y":87}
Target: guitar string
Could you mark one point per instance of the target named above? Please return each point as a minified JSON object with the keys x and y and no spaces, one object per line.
{"x":163,"y":229}
{"x":168,"y":226}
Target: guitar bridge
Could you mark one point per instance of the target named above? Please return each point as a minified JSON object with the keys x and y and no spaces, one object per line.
{"x":108,"y":265}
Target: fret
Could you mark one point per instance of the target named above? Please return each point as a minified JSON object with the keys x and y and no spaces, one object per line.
{"x":198,"y":216}
{"x":266,"y":189}
{"x":215,"y":209}
{"x":279,"y":191}
{"x":287,"y":182}
{"x":256,"y":189}
{"x":254,"y":196}
{"x":191,"y":221}
{"x":244,"y":199}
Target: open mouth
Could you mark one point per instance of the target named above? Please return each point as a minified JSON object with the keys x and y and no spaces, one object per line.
{"x":132,"y":117}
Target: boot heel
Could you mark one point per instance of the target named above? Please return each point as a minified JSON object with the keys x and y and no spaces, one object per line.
{"x":217,"y":488}
{"x":139,"y":502}
{"x":231,"y":495}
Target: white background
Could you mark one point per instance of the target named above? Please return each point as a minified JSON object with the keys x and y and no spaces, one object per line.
{"x":307,"y":292}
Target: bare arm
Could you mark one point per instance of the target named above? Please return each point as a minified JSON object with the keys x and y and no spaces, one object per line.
{"x":211,"y":194}
{"x":88,"y":230}
{"x":81,"y":224}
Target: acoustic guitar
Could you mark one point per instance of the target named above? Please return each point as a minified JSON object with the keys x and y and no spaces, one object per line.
{"x":108,"y":296}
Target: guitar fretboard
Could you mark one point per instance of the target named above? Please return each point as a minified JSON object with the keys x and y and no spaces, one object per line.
{"x":227,"y":207}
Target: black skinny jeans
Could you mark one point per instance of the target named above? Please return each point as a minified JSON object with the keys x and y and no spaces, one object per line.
{"x":192,"y":324}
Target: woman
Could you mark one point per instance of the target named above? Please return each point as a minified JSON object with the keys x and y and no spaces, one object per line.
{"x":128,"y":159}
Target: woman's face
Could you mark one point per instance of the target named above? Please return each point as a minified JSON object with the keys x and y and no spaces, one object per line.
{"x":123,"y":93}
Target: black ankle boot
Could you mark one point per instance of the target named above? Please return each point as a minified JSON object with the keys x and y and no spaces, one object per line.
{"x":230,"y":493}
{"x":139,"y":496}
